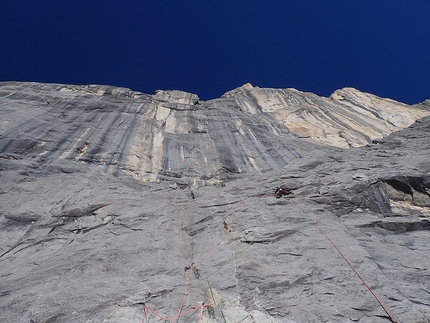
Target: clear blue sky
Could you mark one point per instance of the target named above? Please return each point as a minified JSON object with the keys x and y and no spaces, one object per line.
{"x":210,"y":47}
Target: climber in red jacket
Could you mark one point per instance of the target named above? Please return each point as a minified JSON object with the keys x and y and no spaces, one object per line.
{"x":282,"y":191}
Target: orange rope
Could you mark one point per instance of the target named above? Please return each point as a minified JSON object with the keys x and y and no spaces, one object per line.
{"x":144,"y":314}
{"x":201,"y":315}
{"x":347,"y":261}
{"x":180,"y":313}
{"x":211,"y":250}
{"x":201,"y":307}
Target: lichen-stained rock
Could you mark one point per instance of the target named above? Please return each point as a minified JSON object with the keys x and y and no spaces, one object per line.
{"x":108,"y":212}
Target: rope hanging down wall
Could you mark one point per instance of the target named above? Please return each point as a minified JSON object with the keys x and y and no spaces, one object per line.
{"x":200,"y":308}
{"x":191,"y":270}
{"x":347,"y":261}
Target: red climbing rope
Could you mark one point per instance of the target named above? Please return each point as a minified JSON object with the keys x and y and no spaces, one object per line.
{"x":211,"y":250}
{"x":347,"y":261}
{"x":230,"y":227}
{"x":201,"y":307}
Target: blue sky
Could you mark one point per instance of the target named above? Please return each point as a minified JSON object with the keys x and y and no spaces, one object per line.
{"x":211,"y":47}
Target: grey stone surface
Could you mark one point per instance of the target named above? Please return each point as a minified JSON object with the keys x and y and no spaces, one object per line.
{"x":109,"y":198}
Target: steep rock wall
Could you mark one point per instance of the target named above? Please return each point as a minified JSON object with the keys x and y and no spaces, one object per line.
{"x":108,"y":212}
{"x":348,"y":118}
{"x":173,"y":134}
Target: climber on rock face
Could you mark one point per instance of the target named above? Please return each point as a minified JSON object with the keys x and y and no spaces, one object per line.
{"x":279,"y":191}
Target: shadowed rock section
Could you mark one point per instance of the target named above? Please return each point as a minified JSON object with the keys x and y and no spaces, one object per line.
{"x":110,"y":199}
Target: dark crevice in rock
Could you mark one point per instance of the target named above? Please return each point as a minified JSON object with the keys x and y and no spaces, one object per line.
{"x":80,"y":212}
{"x":399,"y":226}
{"x":264,"y":238}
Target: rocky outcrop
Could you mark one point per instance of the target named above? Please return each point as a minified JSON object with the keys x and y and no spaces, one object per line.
{"x":348,"y":118}
{"x":173,"y":135}
{"x":117,"y":206}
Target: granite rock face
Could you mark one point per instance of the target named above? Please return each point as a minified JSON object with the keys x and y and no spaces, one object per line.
{"x":348,"y":118}
{"x":115,"y":203}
